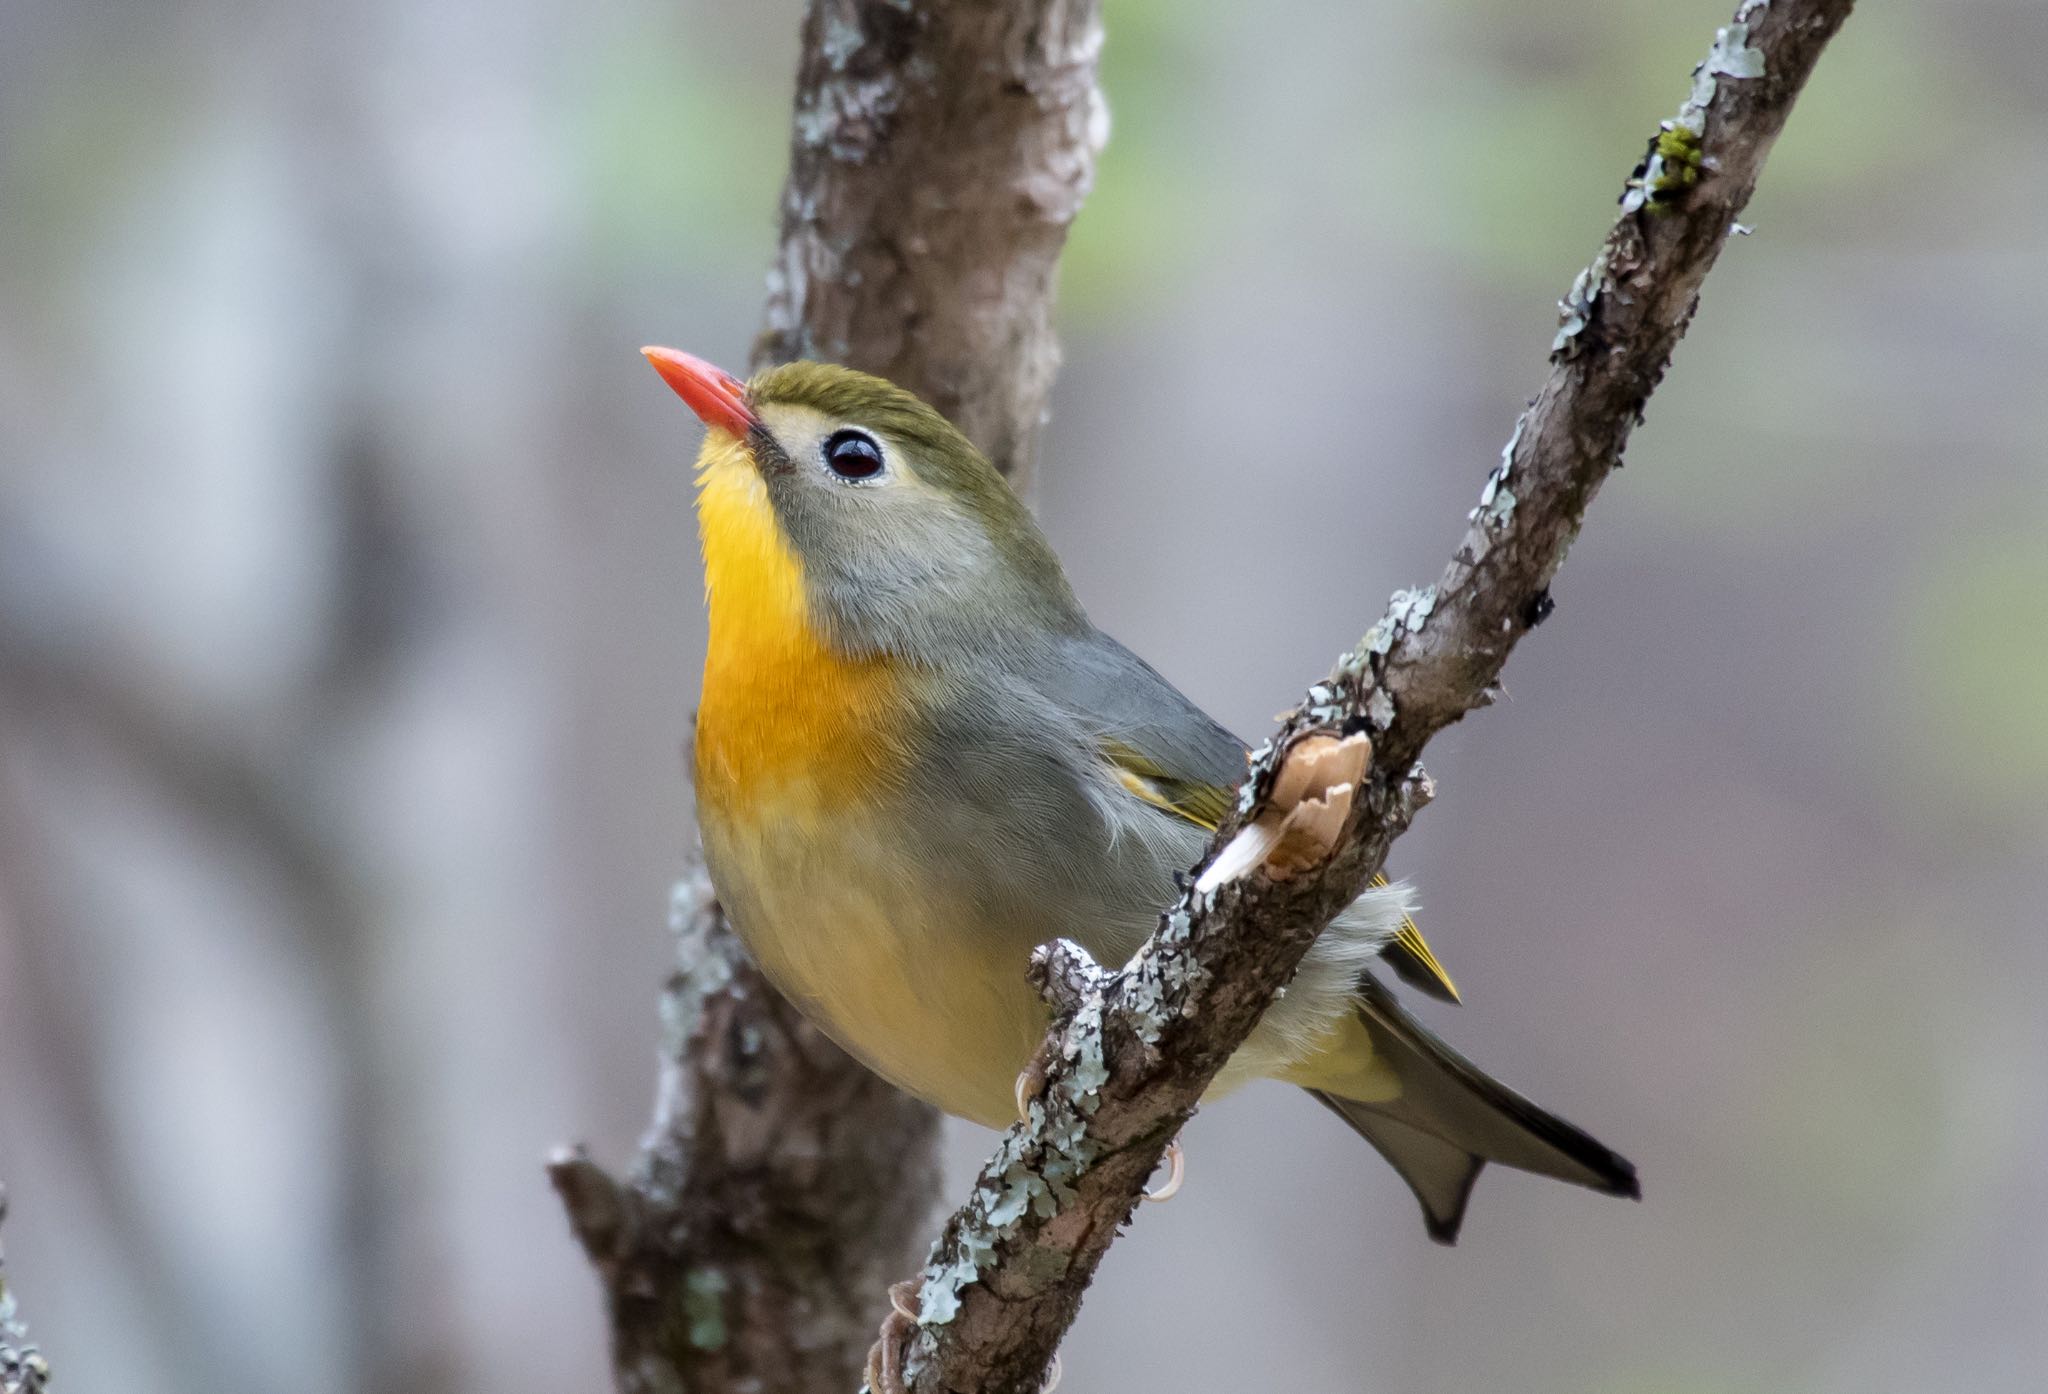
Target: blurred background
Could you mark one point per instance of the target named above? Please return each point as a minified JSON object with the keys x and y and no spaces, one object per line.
{"x":350,"y":621}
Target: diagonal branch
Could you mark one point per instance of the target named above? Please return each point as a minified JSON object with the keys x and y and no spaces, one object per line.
{"x":1133,"y":1050}
{"x":940,"y":151}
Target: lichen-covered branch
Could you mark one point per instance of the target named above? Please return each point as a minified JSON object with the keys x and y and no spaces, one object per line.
{"x":22,"y":1367}
{"x":940,"y":151}
{"x":1133,"y":1050}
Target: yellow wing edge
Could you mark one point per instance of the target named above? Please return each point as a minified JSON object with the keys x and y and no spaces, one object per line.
{"x":1410,"y":956}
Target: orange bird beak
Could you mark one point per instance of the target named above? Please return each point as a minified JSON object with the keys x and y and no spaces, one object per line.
{"x":714,"y":394}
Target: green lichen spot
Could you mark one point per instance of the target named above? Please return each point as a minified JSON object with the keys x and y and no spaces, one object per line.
{"x":704,"y":1292}
{"x":1671,"y":168}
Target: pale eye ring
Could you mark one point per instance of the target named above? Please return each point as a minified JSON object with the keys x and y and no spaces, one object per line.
{"x":853,"y":455}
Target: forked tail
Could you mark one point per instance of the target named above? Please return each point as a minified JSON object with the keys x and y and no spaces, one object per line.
{"x":1448,"y":1119}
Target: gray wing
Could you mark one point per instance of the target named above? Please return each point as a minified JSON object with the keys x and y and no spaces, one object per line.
{"x":1076,"y":788}
{"x":1166,"y":751}
{"x":1029,"y":820}
{"x":1144,"y":721}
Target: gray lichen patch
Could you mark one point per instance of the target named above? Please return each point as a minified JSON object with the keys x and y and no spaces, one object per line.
{"x":1496,"y":508}
{"x":704,"y":966}
{"x":1500,"y":508}
{"x":1023,"y":1191}
{"x":1033,"y":1170}
{"x":1354,"y":666}
{"x":1576,"y":310}
{"x":839,"y":39}
{"x":1379,"y":709}
{"x":843,"y":118}
{"x":1507,"y":452}
{"x":1410,"y":610}
{"x":938,"y":1299}
{"x":1732,"y":55}
{"x":1163,"y":979}
{"x":1257,"y":764}
{"x":1407,"y":612}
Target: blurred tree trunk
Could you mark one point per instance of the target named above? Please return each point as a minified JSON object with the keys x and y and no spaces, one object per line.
{"x":253,"y":621}
{"x":940,"y":151}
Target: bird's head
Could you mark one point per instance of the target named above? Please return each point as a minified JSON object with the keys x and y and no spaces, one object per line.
{"x":905,"y":540}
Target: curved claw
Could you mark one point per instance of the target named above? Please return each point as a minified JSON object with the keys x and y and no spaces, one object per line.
{"x":1176,"y":1172}
{"x":884,"y":1371}
{"x":1030,"y":1084}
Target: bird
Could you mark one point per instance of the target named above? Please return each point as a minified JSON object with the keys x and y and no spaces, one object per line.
{"x":916,"y":759}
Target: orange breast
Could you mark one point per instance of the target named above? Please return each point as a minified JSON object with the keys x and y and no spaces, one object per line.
{"x":787,"y":728}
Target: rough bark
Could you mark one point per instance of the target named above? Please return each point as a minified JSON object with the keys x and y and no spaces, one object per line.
{"x":1132,"y":1051}
{"x":780,"y":1188}
{"x":939,"y":152}
{"x":23,"y":1370}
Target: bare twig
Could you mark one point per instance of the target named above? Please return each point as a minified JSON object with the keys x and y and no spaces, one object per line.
{"x":22,"y":1367}
{"x":1133,"y":1050}
{"x":940,"y":150}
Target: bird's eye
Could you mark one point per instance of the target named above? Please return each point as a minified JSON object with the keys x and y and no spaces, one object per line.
{"x":853,"y":455}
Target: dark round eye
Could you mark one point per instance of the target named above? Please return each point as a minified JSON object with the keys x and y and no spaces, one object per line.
{"x":853,"y":455}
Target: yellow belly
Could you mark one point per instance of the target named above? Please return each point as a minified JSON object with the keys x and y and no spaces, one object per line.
{"x":918,"y":989}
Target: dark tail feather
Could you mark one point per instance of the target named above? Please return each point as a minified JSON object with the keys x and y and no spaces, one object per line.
{"x":1450,"y":1120}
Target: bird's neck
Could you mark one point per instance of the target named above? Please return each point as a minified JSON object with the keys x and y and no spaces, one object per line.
{"x":786,"y":724}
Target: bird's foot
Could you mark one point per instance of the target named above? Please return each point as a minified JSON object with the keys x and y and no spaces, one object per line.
{"x":1030,"y":1084}
{"x":885,"y":1357}
{"x":1176,"y":1172}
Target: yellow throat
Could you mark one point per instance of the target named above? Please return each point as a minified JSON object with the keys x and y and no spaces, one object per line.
{"x":785,"y":724}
